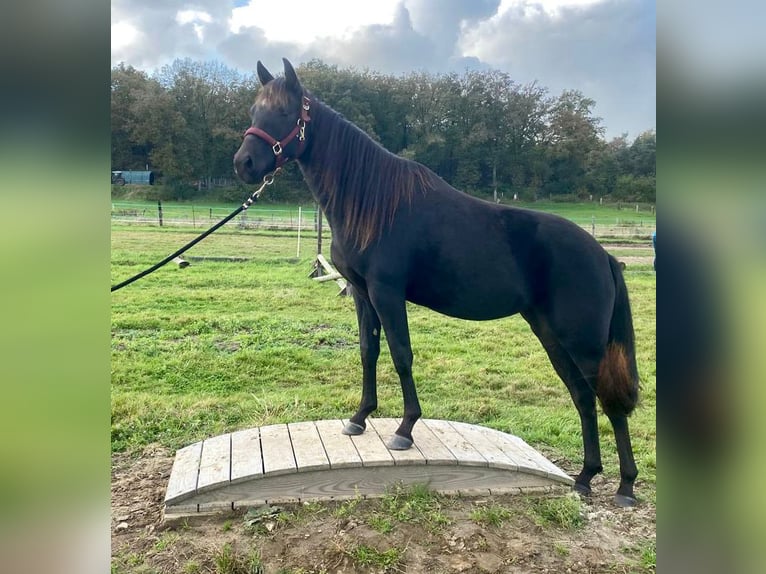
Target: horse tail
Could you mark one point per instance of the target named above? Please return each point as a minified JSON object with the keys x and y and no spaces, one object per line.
{"x":617,"y":382}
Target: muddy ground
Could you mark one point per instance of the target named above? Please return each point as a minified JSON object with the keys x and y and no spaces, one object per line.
{"x":349,"y":537}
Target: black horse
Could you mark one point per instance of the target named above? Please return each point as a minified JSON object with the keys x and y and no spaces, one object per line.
{"x":401,"y":233}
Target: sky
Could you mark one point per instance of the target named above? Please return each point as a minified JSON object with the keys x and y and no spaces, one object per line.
{"x":604,"y":48}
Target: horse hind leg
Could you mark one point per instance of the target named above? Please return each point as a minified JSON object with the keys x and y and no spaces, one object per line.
{"x":628,"y":470}
{"x":618,"y":395}
{"x":584,"y":397}
{"x":598,"y":375}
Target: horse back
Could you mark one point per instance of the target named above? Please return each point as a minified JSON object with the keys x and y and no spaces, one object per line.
{"x":472,"y":259}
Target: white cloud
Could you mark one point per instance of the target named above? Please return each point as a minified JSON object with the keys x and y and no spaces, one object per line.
{"x":189,"y":16}
{"x":123,"y":35}
{"x":304,"y":21}
{"x":604,"y":48}
{"x":196,"y":18}
{"x":550,"y":7}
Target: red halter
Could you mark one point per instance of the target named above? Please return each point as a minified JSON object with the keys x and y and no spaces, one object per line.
{"x":299,"y":131}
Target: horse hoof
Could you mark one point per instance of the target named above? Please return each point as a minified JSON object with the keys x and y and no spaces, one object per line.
{"x":624,"y":501}
{"x":399,"y":443}
{"x":352,"y":429}
{"x":581,"y":489}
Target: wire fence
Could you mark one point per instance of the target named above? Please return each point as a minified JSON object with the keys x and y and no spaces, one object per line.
{"x":630,"y":227}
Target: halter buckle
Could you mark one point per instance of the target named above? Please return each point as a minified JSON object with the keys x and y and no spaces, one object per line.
{"x":277,"y":148}
{"x":301,"y":130}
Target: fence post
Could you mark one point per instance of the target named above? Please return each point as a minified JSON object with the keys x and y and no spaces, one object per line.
{"x":298,"y":252}
{"x":319,"y":230}
{"x":159,"y":210}
{"x":194,"y":221}
{"x":593,"y":225}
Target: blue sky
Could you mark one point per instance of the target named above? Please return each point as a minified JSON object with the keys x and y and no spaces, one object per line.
{"x":604,"y":48}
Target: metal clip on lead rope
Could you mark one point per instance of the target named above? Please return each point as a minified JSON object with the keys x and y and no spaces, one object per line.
{"x":268,"y":179}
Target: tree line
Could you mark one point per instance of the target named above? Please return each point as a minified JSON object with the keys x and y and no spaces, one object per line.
{"x":480,"y":131}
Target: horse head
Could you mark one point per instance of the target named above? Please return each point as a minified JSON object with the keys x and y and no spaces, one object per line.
{"x":278,"y":123}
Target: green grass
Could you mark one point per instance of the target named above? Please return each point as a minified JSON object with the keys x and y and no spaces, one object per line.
{"x":166,"y":540}
{"x":221,"y":346}
{"x":586,"y":212}
{"x":649,"y":556}
{"x":387,"y":560}
{"x":415,"y":503}
{"x":561,"y":512}
{"x":491,"y":515}
{"x":228,"y":560}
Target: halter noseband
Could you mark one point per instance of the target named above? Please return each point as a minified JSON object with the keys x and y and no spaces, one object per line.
{"x":299,"y":131}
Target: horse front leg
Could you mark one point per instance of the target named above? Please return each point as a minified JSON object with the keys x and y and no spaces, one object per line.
{"x":369,"y":347}
{"x":392,"y":310}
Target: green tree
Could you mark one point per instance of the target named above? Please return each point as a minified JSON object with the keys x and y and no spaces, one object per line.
{"x":480,"y":131}
{"x":127,"y":84}
{"x":211,"y":100}
{"x":573,"y":133}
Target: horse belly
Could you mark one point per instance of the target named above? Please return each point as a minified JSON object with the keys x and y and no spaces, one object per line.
{"x":470,"y":296}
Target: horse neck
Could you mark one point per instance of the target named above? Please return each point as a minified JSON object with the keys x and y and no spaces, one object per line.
{"x":324,"y":152}
{"x":358,"y":184}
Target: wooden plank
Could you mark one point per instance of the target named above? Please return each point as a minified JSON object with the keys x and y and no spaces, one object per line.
{"x":331,"y":277}
{"x":330,"y":270}
{"x":385,"y":428}
{"x":340,"y":450}
{"x":215,"y":507}
{"x":433,"y":449}
{"x":325,"y":264}
{"x":246,"y":461}
{"x":172,"y":514}
{"x":314,"y":461}
{"x":369,"y":481}
{"x":462,"y":450}
{"x":277,"y":450}
{"x":537,"y":458}
{"x":511,"y":449}
{"x":527,"y":458}
{"x":494,"y":455}
{"x":183,"y":476}
{"x":371,"y":448}
{"x":215,"y":462}
{"x":307,"y":447}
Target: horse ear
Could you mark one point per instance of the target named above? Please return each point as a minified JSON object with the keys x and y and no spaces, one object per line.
{"x":263,"y":74}
{"x":291,"y":78}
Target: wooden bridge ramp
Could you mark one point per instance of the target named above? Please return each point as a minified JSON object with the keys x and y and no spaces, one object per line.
{"x":313,"y":461}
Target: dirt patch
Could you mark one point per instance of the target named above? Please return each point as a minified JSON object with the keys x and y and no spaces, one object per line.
{"x":367,"y":536}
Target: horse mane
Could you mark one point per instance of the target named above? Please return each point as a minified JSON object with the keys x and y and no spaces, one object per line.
{"x":361,"y":181}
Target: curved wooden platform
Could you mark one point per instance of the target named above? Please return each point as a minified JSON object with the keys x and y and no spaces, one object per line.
{"x":314,"y":461}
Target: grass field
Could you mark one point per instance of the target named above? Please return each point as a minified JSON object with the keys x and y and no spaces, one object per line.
{"x":223,"y":345}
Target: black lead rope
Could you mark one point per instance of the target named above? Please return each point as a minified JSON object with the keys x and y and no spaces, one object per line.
{"x":268,"y":179}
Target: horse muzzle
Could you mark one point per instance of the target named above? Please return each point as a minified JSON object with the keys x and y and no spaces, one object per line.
{"x":243,"y":166}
